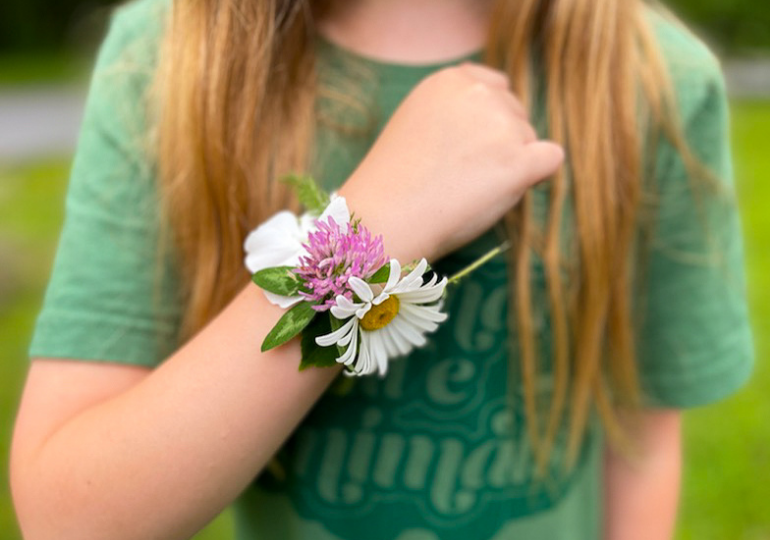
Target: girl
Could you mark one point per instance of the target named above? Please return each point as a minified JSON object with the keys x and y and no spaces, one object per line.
{"x":611,"y":312}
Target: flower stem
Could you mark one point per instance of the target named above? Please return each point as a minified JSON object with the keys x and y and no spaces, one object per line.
{"x":478,"y":262}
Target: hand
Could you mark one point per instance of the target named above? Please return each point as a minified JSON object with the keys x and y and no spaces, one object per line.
{"x":457,"y":154}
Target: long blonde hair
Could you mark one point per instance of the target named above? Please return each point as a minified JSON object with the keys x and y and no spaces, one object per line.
{"x":237,"y":88}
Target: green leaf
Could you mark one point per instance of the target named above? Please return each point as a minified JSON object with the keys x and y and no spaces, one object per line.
{"x":278,"y":279}
{"x":312,"y":353}
{"x":309,"y":193}
{"x":381,"y":275}
{"x":288,"y":326}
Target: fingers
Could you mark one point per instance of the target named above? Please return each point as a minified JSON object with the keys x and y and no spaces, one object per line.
{"x":526,"y":133}
{"x":519,"y":110}
{"x":539,"y":160}
{"x":487,"y":75}
{"x":497,"y":80}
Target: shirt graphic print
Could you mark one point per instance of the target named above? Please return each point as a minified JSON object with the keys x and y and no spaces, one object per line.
{"x":432,"y":446}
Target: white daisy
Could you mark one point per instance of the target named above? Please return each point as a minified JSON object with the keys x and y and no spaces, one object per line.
{"x":388,"y":320}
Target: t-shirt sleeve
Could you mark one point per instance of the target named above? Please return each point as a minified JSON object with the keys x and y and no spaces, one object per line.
{"x":111,"y":297}
{"x":695,"y":340}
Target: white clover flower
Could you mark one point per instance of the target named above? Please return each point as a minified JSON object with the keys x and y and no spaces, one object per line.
{"x":278,"y":242}
{"x":388,"y":321}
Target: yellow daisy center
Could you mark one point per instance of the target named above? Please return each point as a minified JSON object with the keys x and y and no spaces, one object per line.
{"x":380,"y":315}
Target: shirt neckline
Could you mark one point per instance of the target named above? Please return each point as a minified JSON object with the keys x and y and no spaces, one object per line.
{"x":389,"y":69}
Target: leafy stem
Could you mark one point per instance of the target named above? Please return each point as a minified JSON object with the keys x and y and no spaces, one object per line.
{"x":505,"y":246}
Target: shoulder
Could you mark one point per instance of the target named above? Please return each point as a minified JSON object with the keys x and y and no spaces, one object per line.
{"x":140,"y":18}
{"x":117,"y":117}
{"x":694,"y":70}
{"x":134,"y":35}
{"x":125,"y":65}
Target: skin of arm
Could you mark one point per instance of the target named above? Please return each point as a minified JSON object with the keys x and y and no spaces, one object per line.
{"x":642,"y":492}
{"x":208,"y":419}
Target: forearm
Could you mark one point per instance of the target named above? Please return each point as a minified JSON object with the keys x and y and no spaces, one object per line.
{"x":163,"y":458}
{"x":641,"y":493}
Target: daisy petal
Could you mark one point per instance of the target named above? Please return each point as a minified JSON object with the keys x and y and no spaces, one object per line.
{"x":344,"y":307}
{"x":432,"y":281}
{"x":328,"y":340}
{"x":361,"y":288}
{"x":360,"y":312}
{"x":394,"y":276}
{"x":424,"y":312}
{"x":413,"y":280}
{"x":364,"y":357}
{"x":402,"y":342}
{"x":418,"y":322}
{"x":343,"y":342}
{"x":380,"y":298}
{"x":424,"y":294}
{"x":408,"y":332}
{"x":388,"y":342}
{"x":350,"y":354}
{"x":379,"y":354}
{"x":427,"y":326}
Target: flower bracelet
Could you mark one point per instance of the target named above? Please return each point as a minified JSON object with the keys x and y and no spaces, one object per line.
{"x":348,"y":301}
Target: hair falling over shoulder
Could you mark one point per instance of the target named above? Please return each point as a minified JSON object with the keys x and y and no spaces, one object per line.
{"x":236,"y":89}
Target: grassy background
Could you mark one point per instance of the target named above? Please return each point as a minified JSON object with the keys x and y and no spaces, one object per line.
{"x":42,"y":68}
{"x":727,"y":447}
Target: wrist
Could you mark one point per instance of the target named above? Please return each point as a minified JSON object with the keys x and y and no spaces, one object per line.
{"x":350,"y":303}
{"x":403,"y":240}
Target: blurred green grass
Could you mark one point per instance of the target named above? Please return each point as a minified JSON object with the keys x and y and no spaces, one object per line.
{"x":727,"y":446}
{"x":22,"y":69}
{"x":727,"y":452}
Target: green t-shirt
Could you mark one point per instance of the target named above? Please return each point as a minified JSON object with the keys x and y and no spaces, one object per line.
{"x":431,"y":451}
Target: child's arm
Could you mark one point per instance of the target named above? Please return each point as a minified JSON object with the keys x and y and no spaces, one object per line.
{"x":641,"y":495}
{"x":109,"y":451}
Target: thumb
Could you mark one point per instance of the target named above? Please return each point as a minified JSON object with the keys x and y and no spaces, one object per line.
{"x":539,"y":160}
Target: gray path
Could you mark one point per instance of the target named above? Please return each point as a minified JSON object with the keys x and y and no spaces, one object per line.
{"x":44,"y":121}
{"x":748,"y":78}
{"x":39,"y":121}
